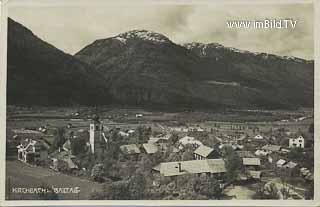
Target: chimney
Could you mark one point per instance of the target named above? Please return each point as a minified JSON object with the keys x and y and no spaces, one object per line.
{"x":179,"y":164}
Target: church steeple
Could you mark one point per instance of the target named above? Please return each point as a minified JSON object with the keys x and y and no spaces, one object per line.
{"x":96,"y":128}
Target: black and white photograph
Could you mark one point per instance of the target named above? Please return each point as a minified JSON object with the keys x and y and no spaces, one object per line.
{"x":159,"y":100}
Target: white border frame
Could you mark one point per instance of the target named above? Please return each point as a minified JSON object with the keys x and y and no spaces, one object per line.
{"x":46,"y":3}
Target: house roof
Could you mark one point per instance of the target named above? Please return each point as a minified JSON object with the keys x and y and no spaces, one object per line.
{"x":203,"y":150}
{"x":290,"y":165}
{"x":130,"y":149}
{"x":261,"y":152}
{"x":258,"y":136}
{"x":161,"y":138}
{"x":150,"y":148}
{"x":26,"y":131}
{"x":157,"y":168}
{"x":67,"y":145}
{"x":193,"y":167}
{"x":243,"y":154}
{"x":251,"y":161}
{"x":281,"y":162}
{"x":189,"y":140}
{"x":255,"y":174}
{"x":273,"y":148}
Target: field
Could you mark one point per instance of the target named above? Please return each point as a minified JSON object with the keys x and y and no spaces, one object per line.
{"x":20,"y":175}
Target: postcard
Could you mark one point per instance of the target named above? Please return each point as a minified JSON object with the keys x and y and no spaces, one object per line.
{"x":188,"y":103}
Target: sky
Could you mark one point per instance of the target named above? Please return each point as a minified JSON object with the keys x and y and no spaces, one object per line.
{"x":72,"y":27}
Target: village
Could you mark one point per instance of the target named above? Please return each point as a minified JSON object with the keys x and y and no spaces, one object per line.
{"x":155,"y":160}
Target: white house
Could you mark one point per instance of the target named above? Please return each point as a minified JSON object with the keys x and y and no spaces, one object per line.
{"x":280,"y":163}
{"x":258,"y":137}
{"x":296,"y":142}
{"x":31,"y":151}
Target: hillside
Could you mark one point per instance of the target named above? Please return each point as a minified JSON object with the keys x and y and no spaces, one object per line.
{"x":144,"y":67}
{"x":40,"y":74}
{"x":283,"y":81}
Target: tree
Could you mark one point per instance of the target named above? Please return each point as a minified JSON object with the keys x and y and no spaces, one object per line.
{"x":213,"y":189}
{"x":174,"y":138}
{"x":187,"y":155}
{"x":78,"y":146}
{"x":143,"y":133}
{"x":117,"y":191}
{"x":137,"y":186}
{"x":97,"y":172}
{"x":296,"y":154}
{"x":59,"y":138}
{"x":271,"y":191}
{"x":233,"y":163}
{"x":309,"y":193}
{"x":311,"y":128}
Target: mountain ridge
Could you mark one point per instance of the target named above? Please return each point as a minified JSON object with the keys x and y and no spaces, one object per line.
{"x":145,"y":68}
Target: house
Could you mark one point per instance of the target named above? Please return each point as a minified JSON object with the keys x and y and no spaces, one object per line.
{"x":123,"y":134}
{"x":139,"y":115}
{"x":251,"y":163}
{"x":261,"y":153}
{"x":62,"y":159}
{"x":298,"y":142}
{"x":42,"y":129}
{"x":195,"y":129}
{"x":247,"y":154}
{"x":27,"y":133}
{"x":280,"y":163}
{"x":160,"y":139}
{"x":130,"y":149}
{"x":271,"y":148}
{"x":290,"y":165}
{"x":189,"y":140}
{"x":130,"y":131}
{"x":203,"y":152}
{"x":32,"y":151}
{"x":150,"y":148}
{"x":211,"y":167}
{"x":255,"y":174}
{"x":67,"y":146}
{"x":306,"y":174}
{"x":258,"y":137}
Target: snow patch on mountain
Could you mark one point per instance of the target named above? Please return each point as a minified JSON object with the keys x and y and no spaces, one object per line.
{"x":143,"y":35}
{"x":204,"y":47}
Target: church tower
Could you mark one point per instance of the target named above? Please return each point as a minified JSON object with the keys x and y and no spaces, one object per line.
{"x":96,"y":130}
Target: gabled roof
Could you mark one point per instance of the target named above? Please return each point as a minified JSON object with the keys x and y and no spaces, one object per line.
{"x":64,"y":156}
{"x":130,"y":149}
{"x":273,"y":148}
{"x":203,"y":151}
{"x":290,"y":165}
{"x":251,"y":161}
{"x":247,"y":154}
{"x":193,"y":167}
{"x":67,"y":145}
{"x":255,"y":174}
{"x":157,"y":168}
{"x":258,"y":136}
{"x":281,"y":162}
{"x":150,"y":148}
{"x":189,"y":140}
